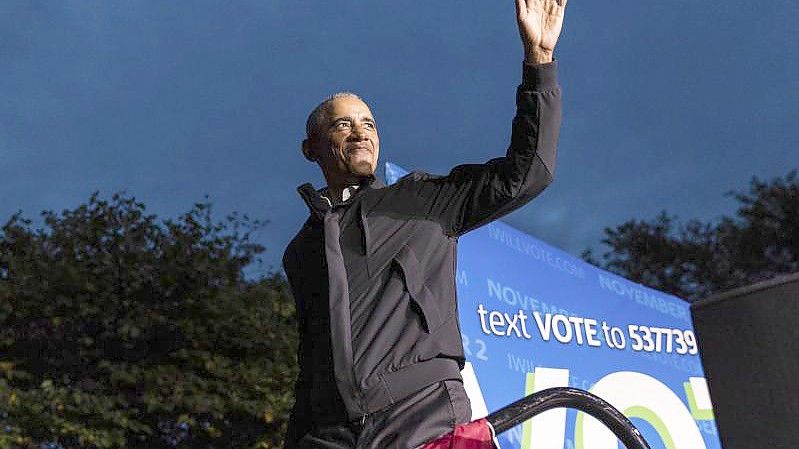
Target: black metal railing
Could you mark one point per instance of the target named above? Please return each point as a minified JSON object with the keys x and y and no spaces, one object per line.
{"x":529,"y":406}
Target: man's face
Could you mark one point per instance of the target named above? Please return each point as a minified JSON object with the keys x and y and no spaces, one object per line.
{"x":348,"y":145}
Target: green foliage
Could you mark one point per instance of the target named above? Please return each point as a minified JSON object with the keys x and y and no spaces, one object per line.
{"x":695,"y":259}
{"x":121,"y":331}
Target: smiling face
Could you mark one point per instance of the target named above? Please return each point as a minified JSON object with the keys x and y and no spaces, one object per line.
{"x":346,"y":145}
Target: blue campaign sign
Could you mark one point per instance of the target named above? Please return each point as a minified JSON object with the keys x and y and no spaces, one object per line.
{"x":534,"y":317}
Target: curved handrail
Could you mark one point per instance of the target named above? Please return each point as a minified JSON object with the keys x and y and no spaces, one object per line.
{"x":529,"y":406}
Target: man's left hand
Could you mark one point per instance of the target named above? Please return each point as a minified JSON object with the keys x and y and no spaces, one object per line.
{"x":540,"y":22}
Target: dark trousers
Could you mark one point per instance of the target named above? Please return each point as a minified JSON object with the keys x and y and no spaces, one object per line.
{"x":416,"y":419}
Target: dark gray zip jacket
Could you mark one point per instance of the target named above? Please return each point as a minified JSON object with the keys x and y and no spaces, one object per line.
{"x":374,"y":277}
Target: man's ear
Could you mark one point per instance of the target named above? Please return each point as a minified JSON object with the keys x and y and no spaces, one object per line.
{"x":307,"y":150}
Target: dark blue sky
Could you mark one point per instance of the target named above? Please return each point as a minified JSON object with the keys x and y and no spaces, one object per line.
{"x":668,"y":104}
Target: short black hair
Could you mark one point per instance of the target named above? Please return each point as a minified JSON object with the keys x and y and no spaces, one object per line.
{"x":317,"y":117}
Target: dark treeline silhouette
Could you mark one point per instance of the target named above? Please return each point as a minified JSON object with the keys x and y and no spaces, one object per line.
{"x":695,"y":259}
{"x":118,"y":330}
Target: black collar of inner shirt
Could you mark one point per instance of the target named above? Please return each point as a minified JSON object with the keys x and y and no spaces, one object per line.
{"x":317,"y":205}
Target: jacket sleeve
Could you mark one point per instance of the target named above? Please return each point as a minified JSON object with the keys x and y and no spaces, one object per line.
{"x":474,"y":194}
{"x":298,"y":417}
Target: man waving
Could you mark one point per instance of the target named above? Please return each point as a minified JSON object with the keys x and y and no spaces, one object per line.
{"x":373,"y":268}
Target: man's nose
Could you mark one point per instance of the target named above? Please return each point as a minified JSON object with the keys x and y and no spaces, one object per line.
{"x":358,"y":132}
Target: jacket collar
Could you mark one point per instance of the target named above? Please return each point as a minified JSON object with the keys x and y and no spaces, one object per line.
{"x":318,"y":205}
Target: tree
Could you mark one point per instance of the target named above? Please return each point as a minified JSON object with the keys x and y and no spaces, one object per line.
{"x":120,"y":331}
{"x":695,"y":259}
